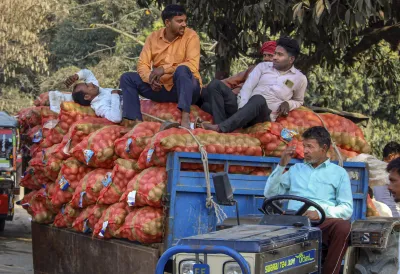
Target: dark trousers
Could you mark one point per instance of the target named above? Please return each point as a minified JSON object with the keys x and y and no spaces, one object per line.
{"x":185,"y":92}
{"x":225,"y":110}
{"x":335,"y":234}
{"x":204,"y":102}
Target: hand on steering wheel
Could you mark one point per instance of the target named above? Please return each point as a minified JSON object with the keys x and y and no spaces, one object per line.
{"x":307,"y":204}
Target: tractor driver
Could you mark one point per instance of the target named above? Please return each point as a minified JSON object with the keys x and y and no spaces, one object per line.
{"x":323,"y":182}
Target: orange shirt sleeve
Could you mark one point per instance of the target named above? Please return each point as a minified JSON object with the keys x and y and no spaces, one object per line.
{"x":144,"y":63}
{"x":192,"y":57}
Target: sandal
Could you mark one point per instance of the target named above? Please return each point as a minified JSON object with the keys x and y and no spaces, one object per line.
{"x":200,"y":123}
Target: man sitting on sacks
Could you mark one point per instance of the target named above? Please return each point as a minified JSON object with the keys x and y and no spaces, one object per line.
{"x":167,"y":70}
{"x":235,"y":82}
{"x":271,"y":90}
{"x":323,"y":182}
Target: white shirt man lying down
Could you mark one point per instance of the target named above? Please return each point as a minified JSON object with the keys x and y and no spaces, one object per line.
{"x":106,"y":102}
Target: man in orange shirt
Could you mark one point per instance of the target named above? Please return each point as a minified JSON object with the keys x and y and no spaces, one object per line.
{"x":168,"y":68}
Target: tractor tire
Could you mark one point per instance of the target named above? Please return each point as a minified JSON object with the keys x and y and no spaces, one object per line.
{"x":2,"y":224}
{"x":379,"y":261}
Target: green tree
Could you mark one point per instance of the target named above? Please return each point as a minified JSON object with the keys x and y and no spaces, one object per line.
{"x":331,"y":31}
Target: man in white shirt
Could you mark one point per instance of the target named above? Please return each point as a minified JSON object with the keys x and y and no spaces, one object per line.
{"x":271,"y":90}
{"x":106,"y":102}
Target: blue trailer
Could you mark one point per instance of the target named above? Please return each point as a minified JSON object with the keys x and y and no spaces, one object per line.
{"x":256,"y":246}
{"x":187,"y":216}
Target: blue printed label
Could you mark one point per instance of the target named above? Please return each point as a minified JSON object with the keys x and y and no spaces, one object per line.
{"x":288,"y":134}
{"x":81,"y":199}
{"x":64,"y":184}
{"x":107,"y":179}
{"x":290,"y":262}
{"x":150,"y":154}
{"x":86,"y":228}
{"x":128,"y":144}
{"x":37,"y":137}
{"x":88,"y":155}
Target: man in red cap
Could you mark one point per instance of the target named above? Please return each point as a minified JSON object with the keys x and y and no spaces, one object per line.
{"x":235,"y":82}
{"x":268,"y":50}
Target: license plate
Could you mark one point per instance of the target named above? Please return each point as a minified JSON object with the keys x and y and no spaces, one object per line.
{"x":201,"y":269}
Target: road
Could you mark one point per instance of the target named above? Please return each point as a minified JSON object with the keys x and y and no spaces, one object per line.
{"x":16,"y":245}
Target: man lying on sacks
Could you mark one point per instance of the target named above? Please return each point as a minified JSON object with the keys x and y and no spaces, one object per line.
{"x":106,"y":102}
{"x":271,"y":90}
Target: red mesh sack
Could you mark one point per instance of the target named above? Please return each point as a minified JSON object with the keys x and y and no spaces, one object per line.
{"x":66,"y":216}
{"x":344,"y":132}
{"x":42,"y":100}
{"x":95,"y":215}
{"x":52,"y":134}
{"x":170,"y":111}
{"x":123,"y":172}
{"x":77,"y":132}
{"x":33,"y":179}
{"x":144,"y":225}
{"x":88,"y":189}
{"x":81,"y":223}
{"x":72,"y":171}
{"x":35,"y":134}
{"x":48,"y":115}
{"x":131,"y":145}
{"x":71,"y":112}
{"x":181,"y":140}
{"x":111,"y":220}
{"x":97,"y":149}
{"x":146,"y":188}
{"x":29,"y":117}
{"x":41,"y":209}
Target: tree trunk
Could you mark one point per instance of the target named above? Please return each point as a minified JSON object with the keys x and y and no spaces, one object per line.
{"x":222,"y":67}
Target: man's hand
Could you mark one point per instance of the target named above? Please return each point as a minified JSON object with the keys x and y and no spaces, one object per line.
{"x":236,"y":91}
{"x":156,"y":74}
{"x":71,"y":80}
{"x":156,"y":86}
{"x":287,"y":155}
{"x":115,"y":91}
{"x":312,"y":215}
{"x":283,"y":109}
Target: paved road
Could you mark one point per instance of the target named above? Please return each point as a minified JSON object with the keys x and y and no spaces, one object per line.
{"x":16,"y":245}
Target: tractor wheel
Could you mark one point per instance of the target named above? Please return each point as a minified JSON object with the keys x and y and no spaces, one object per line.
{"x":379,"y":261}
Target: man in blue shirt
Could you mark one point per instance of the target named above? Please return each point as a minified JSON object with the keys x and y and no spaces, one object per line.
{"x":323,"y":182}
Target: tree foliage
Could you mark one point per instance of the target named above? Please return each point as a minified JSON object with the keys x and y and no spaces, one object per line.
{"x":21,"y":22}
{"x":331,"y":31}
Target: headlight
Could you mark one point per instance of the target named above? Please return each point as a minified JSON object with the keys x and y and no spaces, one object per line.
{"x":186,"y":266}
{"x":232,"y":268}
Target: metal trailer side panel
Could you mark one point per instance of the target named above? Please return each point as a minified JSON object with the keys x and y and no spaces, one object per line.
{"x":62,"y":251}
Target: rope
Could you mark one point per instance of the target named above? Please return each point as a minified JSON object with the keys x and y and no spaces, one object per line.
{"x":335,"y":148}
{"x":204,"y":159}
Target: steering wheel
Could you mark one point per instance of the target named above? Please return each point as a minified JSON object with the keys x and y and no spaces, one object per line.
{"x":307,"y":204}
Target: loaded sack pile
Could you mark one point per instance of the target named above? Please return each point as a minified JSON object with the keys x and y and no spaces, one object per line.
{"x":93,"y":176}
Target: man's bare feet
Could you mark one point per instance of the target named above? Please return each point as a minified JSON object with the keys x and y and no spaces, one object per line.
{"x":210,"y":126}
{"x":185,"y":122}
{"x":129,"y":123}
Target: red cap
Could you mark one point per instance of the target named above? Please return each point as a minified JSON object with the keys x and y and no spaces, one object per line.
{"x":268,"y":47}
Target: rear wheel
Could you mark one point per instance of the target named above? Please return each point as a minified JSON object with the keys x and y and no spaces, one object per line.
{"x":2,"y":224}
{"x":379,"y":261}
